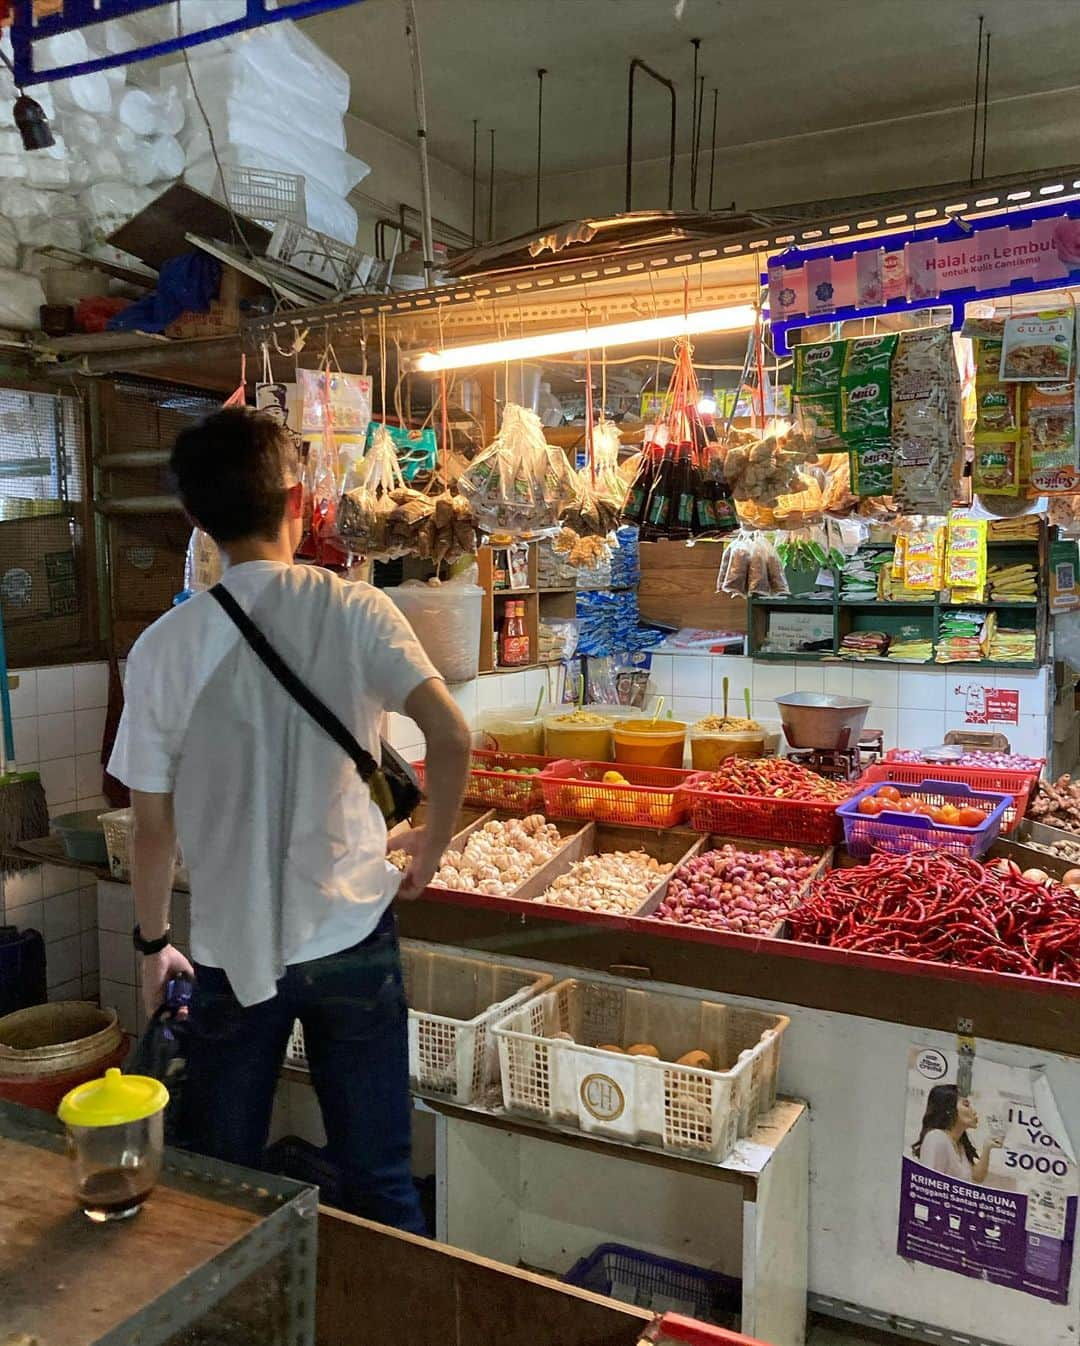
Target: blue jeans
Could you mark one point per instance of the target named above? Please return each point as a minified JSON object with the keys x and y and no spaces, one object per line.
{"x":352,"y":1007}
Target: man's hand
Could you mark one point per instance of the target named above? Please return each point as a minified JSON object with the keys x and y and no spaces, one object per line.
{"x":425,"y":852}
{"x":157,"y":970}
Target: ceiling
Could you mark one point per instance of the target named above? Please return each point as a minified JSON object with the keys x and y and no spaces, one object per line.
{"x":783,"y":67}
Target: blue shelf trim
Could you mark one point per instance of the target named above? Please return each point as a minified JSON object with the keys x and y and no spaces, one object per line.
{"x":947,"y":231}
{"x":78,"y":14}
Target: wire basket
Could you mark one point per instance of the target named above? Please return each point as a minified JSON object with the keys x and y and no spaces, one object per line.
{"x":265,"y":196}
{"x":1018,"y":784}
{"x":807,"y":821}
{"x":905,"y":833}
{"x":453,"y":1001}
{"x":649,"y":797}
{"x":659,"y":1284}
{"x":510,"y":781}
{"x":558,"y":1064}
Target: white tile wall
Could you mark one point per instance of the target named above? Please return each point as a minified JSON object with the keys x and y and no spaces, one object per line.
{"x":59,"y":721}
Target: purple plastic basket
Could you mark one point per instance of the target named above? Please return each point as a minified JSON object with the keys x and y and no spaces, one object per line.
{"x":904,"y":833}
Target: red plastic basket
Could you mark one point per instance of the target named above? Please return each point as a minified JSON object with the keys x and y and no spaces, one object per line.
{"x":497,"y":781}
{"x":652,"y":796}
{"x":766,"y":819}
{"x":1019,"y":784}
{"x":904,"y":833}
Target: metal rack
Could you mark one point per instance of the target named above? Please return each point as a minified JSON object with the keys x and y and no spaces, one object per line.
{"x":207,"y":1229}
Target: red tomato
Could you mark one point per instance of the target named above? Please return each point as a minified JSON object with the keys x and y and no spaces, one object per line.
{"x":927,"y":810}
{"x":971,"y":818}
{"x":906,"y":806}
{"x":889,"y":792}
{"x":870,"y":806}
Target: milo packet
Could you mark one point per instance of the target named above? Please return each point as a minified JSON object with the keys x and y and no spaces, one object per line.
{"x":872,"y":467}
{"x":865,"y":404}
{"x":818,"y":365}
{"x":870,"y":354}
{"x":819,"y":418}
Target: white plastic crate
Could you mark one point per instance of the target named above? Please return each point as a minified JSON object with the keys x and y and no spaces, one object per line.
{"x":574,"y":1081}
{"x":318,"y":255}
{"x":266,"y":196}
{"x":453,"y":1001}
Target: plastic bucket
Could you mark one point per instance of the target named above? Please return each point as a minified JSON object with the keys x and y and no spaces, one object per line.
{"x":651,"y":743}
{"x":48,"y":1049}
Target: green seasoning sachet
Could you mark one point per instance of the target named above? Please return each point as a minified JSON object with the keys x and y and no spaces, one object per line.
{"x":870,"y":354}
{"x":872,"y":467}
{"x":818,"y":365}
{"x":865,"y":405}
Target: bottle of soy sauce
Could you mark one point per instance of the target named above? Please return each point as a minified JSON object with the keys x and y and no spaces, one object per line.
{"x":661,"y":497}
{"x":637,"y":498}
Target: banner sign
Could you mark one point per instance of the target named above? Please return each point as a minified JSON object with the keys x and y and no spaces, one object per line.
{"x":952,"y":263}
{"x":988,"y":1186}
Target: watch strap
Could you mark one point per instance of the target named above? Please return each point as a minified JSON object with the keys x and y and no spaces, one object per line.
{"x":145,"y":946}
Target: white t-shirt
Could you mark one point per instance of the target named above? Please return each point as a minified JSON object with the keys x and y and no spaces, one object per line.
{"x":939,"y":1153}
{"x":285,"y":848}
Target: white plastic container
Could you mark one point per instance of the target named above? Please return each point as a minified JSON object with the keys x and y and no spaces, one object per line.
{"x":453,"y":1002}
{"x":575,"y":1082}
{"x":446,"y":619}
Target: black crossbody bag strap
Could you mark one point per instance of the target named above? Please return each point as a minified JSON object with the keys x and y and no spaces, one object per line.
{"x":300,"y":692}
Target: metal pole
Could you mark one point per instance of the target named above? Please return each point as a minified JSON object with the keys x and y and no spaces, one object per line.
{"x":986,"y":105}
{"x":712,"y":147}
{"x":975,"y":114}
{"x":413,"y":39}
{"x":491,"y":189}
{"x":474,"y":124}
{"x":539,"y":134}
{"x":695,"y":42}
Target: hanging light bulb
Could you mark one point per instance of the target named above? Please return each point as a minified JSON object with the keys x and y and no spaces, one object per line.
{"x":33,"y":124}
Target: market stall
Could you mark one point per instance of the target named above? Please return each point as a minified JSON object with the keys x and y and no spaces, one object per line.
{"x":766,"y":655}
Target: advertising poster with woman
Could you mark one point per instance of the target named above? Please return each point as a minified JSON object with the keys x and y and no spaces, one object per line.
{"x":989,"y":1179}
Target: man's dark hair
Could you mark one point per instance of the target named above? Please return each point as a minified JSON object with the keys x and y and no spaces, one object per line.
{"x":233,"y":471}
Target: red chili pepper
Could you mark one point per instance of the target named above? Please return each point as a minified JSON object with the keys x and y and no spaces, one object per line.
{"x":948,"y":909}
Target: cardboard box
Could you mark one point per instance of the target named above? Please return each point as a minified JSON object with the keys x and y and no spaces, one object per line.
{"x":40,"y":587}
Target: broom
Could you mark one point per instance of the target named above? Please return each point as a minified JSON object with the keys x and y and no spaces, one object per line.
{"x":24,"y":813}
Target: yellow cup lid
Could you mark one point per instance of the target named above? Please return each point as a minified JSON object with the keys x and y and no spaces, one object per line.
{"x":113,"y":1101}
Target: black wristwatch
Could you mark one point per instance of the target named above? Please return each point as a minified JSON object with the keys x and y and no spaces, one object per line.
{"x":151,"y":945}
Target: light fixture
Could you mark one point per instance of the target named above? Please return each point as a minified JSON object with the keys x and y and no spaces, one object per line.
{"x":737,"y":319}
{"x":29,"y":117}
{"x":33,"y":124}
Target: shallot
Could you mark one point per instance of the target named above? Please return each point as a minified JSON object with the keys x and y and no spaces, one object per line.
{"x":750,"y":892}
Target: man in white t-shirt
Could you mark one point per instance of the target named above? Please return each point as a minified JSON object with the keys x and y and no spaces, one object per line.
{"x":291,"y":890}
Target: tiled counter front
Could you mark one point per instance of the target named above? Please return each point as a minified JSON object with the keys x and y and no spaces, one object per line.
{"x":59,"y":718}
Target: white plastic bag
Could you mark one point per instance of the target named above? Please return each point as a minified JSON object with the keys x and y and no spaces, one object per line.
{"x":224,"y":77}
{"x":20,"y":299}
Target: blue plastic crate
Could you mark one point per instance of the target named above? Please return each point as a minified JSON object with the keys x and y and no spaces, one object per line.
{"x":657,"y":1283}
{"x":905,"y":833}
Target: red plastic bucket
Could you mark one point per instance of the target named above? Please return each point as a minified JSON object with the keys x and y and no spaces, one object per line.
{"x":48,"y":1049}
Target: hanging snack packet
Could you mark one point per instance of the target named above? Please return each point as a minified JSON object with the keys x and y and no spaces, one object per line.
{"x":995,"y":467}
{"x":865,"y":404}
{"x":997,"y":407}
{"x":818,"y":366}
{"x":1039,"y":346}
{"x":870,"y":354}
{"x":925,"y":420}
{"x":988,"y":357}
{"x":872,"y":466}
{"x":818,"y":416}
{"x":1051,"y":433}
{"x":347,"y":398}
